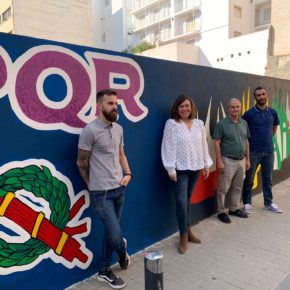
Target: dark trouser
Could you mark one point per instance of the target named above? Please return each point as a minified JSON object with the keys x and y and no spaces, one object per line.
{"x":108,"y":205}
{"x":183,"y":188}
{"x":267,"y":161}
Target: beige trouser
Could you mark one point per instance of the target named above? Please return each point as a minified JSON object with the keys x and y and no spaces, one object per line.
{"x":230,"y":184}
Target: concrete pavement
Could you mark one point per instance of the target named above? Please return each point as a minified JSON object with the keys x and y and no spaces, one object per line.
{"x":248,"y":254}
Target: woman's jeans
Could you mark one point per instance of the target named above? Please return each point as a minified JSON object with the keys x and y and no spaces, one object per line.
{"x":183,"y":188}
{"x":108,"y":205}
{"x":267,"y":161}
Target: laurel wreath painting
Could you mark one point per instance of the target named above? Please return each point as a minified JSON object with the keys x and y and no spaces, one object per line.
{"x":40,"y":182}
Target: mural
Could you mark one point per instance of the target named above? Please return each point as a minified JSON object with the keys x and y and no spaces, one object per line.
{"x":41,"y":202}
{"x":49,"y":237}
{"x":26,"y":84}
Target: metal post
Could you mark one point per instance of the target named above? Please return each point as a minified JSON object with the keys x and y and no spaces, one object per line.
{"x":153,"y":270}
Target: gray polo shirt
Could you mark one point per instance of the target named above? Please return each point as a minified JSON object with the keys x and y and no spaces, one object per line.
{"x":233,"y":137}
{"x":103,"y":141}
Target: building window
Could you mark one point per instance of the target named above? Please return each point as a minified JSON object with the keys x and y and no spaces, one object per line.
{"x":237,"y":12}
{"x":107,"y":2}
{"x":140,"y":20}
{"x":191,"y":41}
{"x":164,"y":10}
{"x":267,"y":15}
{"x":6,"y":14}
{"x":262,"y":15}
{"x":165,"y":31}
{"x":237,"y":33}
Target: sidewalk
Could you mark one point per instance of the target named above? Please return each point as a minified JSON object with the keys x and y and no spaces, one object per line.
{"x":248,"y":254}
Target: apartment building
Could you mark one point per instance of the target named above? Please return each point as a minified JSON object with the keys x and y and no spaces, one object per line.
{"x":66,"y":21}
{"x":163,"y":21}
{"x":208,"y":32}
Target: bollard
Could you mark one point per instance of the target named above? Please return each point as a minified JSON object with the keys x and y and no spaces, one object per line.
{"x":153,"y":270}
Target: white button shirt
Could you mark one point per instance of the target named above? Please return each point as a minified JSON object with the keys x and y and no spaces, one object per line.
{"x":183,"y":148}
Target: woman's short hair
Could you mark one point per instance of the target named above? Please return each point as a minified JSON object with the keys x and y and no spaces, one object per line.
{"x":179,"y":100}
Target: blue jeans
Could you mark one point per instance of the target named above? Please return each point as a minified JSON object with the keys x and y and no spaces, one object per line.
{"x":183,"y":188}
{"x":267,"y":161}
{"x":108,"y":205}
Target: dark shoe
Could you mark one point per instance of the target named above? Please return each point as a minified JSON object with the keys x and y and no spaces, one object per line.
{"x":108,"y":276}
{"x":238,"y":213}
{"x":223,"y":217}
{"x":124,"y":259}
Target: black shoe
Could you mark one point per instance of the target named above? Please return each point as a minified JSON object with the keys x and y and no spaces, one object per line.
{"x":108,"y":276}
{"x":124,"y":259}
{"x":238,"y":213}
{"x":223,"y":217}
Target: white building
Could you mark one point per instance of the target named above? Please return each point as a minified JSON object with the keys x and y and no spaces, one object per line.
{"x":238,"y":38}
{"x":111,"y":24}
{"x":165,"y":21}
{"x":228,"y":34}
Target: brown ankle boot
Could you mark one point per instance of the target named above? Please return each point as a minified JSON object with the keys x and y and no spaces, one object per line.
{"x":182,"y":246}
{"x":191,"y":237}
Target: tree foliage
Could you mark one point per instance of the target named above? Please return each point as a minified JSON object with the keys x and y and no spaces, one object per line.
{"x":142,"y":46}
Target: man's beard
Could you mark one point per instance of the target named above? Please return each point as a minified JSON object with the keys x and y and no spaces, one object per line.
{"x":261,"y":102}
{"x":111,"y":116}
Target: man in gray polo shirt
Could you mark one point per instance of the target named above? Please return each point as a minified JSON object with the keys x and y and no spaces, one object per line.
{"x":232,"y":154}
{"x":104,"y":167}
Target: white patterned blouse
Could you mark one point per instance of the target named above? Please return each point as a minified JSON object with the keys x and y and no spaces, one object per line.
{"x":183,"y":148}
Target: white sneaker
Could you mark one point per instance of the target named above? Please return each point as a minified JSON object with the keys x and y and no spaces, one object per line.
{"x":274,"y":208}
{"x":247,"y":208}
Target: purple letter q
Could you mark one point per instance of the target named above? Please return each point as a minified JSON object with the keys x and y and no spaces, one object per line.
{"x":31,"y":97}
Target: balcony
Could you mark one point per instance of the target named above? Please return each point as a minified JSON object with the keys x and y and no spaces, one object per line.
{"x":158,"y":37}
{"x":165,"y":35}
{"x":183,"y":6}
{"x":146,"y":4}
{"x":186,"y":28}
{"x":151,"y":20}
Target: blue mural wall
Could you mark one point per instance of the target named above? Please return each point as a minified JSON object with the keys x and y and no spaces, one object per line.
{"x":50,"y":238}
